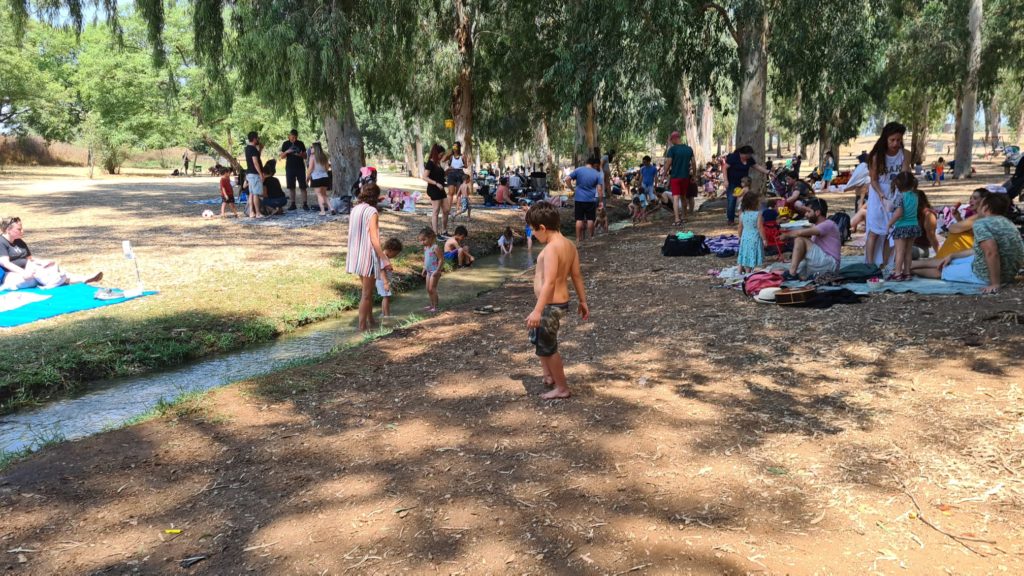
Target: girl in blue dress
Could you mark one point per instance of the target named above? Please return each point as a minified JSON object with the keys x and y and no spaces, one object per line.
{"x":751,"y":253}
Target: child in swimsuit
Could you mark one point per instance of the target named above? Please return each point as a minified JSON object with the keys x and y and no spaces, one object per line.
{"x":431,"y":265}
{"x":454,"y":252}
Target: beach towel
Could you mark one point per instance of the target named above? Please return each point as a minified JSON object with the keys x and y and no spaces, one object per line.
{"x":39,"y":304}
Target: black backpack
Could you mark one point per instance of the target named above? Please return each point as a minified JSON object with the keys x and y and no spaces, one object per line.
{"x":690,"y":247}
{"x":842,"y":220}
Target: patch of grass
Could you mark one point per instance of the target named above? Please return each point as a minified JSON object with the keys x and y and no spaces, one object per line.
{"x":41,"y":442}
{"x":185,"y":405}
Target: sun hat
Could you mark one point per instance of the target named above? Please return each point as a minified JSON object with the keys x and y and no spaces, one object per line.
{"x":767,"y":295}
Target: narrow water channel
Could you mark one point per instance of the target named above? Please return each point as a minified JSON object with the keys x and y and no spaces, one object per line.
{"x":110,"y":404}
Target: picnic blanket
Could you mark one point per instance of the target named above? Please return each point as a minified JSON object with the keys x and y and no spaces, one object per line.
{"x":209,"y":201}
{"x":723,"y":246}
{"x":917,"y":285}
{"x":37,"y":304}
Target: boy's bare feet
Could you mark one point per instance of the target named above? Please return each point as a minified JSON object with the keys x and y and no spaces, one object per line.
{"x":556,"y":394}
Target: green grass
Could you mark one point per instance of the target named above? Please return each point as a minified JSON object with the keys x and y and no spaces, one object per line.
{"x":50,"y":439}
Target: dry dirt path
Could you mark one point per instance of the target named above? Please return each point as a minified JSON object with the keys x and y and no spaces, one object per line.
{"x":708,"y":435}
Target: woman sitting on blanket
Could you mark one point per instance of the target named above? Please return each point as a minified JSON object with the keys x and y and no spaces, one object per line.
{"x":22,"y":270}
{"x":960,"y":234}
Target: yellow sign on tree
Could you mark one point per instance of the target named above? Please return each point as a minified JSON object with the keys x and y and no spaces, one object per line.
{"x":449,"y":123}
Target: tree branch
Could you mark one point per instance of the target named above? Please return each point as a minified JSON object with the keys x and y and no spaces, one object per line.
{"x":729,"y":27}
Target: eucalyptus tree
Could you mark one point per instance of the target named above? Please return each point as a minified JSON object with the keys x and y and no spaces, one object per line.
{"x":831,"y":79}
{"x":965,"y":136}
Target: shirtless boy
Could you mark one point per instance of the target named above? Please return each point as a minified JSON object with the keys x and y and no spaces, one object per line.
{"x":555,"y":264}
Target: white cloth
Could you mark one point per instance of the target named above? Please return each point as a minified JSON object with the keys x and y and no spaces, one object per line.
{"x":457,"y":163}
{"x":817,"y":261}
{"x":861,"y":176}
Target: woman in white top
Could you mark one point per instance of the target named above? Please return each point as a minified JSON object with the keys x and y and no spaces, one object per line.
{"x":318,"y":177}
{"x":887,"y":159}
{"x":456,"y":173}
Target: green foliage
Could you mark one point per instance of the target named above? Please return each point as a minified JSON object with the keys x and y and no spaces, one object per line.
{"x":36,"y":91}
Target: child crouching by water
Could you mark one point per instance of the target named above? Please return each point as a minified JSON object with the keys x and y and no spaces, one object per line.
{"x":557,"y":262}
{"x":432,"y":260}
{"x":392,"y":248}
{"x":506,"y":240}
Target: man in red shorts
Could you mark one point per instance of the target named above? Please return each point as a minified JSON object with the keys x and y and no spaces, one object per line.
{"x":680,"y":165}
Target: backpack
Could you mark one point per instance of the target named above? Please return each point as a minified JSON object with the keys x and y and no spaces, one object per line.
{"x":842,"y":220}
{"x":754,"y":283}
{"x":693,"y":246}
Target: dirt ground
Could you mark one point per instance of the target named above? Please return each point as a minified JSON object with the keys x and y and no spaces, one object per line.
{"x":708,"y":434}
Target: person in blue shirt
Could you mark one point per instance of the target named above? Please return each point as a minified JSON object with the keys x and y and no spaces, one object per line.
{"x":588,"y":197}
{"x":648,"y":172}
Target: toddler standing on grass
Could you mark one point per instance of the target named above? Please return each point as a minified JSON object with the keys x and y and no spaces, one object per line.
{"x":904,"y":225}
{"x":227,"y":193}
{"x":752,"y":238}
{"x":392,"y":248}
{"x":558,"y":262}
{"x":432,"y":260}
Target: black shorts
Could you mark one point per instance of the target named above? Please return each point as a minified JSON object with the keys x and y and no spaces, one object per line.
{"x":436,"y":193}
{"x":545,"y":336}
{"x":455,"y":177}
{"x":227,"y":198}
{"x":321,"y":183}
{"x":586,"y":211}
{"x":295,"y":175}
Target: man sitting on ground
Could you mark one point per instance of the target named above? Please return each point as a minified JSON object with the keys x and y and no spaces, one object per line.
{"x":816,"y":250}
{"x":274,"y":199}
{"x":997,"y":255}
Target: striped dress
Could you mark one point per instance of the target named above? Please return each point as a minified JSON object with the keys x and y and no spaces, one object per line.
{"x":360,"y":257}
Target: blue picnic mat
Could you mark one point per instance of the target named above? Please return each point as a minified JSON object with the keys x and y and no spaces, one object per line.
{"x":917,"y":285}
{"x":208,"y":201}
{"x":61,"y":300}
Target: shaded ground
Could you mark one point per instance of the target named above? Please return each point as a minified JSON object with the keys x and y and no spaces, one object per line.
{"x":708,"y":435}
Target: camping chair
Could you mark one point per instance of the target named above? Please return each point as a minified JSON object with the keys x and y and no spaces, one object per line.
{"x":773,"y":238}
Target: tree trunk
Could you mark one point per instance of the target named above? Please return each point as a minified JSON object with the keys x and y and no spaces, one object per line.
{"x":689,"y":114}
{"x":752,"y":33}
{"x":462,"y":97}
{"x":544,"y":152}
{"x":707,"y":126}
{"x":410,"y":159}
{"x":590,"y":128}
{"x":418,"y":146}
{"x":824,"y":145}
{"x":586,"y":134}
{"x":919,"y":135}
{"x":223,"y":152}
{"x":965,"y":140}
{"x":994,"y":115}
{"x":345,"y":142}
{"x":1020,"y":127}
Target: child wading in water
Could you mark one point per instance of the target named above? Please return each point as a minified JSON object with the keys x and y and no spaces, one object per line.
{"x":392,"y":248}
{"x":904,"y":225}
{"x":558,"y":262}
{"x":752,"y":238}
{"x":431,"y":264}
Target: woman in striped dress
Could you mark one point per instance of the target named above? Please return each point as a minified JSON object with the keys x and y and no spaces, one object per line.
{"x":365,"y":256}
